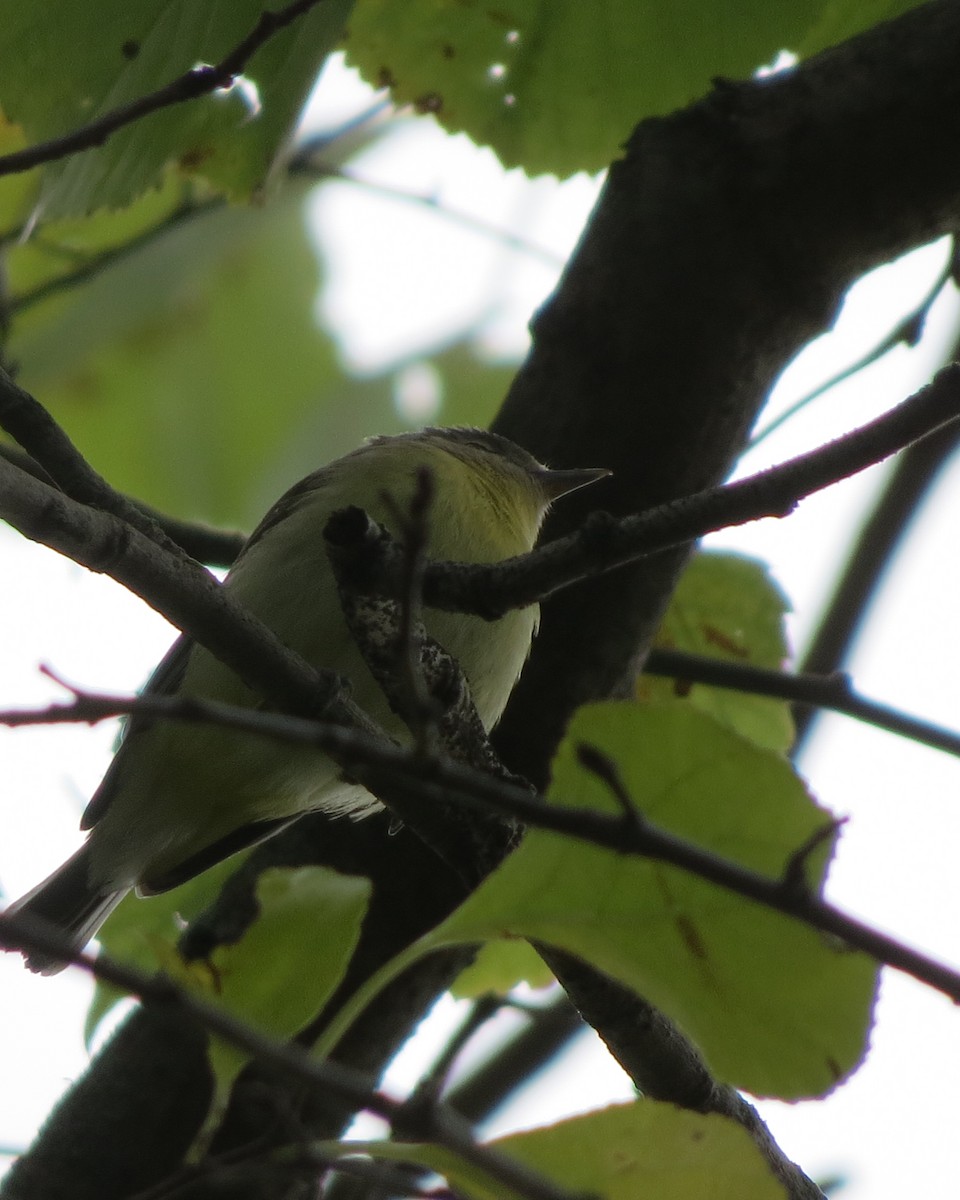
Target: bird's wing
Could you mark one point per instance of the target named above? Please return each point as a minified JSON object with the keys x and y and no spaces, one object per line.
{"x":164,"y":681}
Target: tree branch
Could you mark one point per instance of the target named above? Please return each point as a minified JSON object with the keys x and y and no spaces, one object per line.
{"x":907,"y":331}
{"x":835,"y":692}
{"x":911,"y":481}
{"x":175,"y":586}
{"x":378,"y":765}
{"x":207,"y":544}
{"x":605,"y":544}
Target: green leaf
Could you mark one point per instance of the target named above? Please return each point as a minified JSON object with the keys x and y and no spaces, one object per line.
{"x":143,"y":932}
{"x":618,"y":1153}
{"x":75,"y":246}
{"x":499,"y":967}
{"x":18,"y":193}
{"x":557,"y":86}
{"x":110,"y":53}
{"x":775,"y":1007}
{"x":288,"y":963}
{"x":726,"y":606}
{"x":646,"y":1148}
{"x":276,"y":976}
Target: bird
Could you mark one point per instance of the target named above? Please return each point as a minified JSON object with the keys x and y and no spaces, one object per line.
{"x":178,"y":797}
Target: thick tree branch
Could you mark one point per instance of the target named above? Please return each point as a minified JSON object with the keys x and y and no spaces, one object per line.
{"x":207,"y":544}
{"x":723,"y":241}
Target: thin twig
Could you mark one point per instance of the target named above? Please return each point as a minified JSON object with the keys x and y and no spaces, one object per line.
{"x":376,"y":764}
{"x":835,"y":692}
{"x":433,"y":1080}
{"x":910,"y":482}
{"x":303,"y":165}
{"x":96,"y":264}
{"x":192,"y":84}
{"x":908,"y":331}
{"x":604,"y":543}
{"x":488,"y":1084}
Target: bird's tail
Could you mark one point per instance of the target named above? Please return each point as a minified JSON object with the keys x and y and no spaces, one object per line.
{"x":67,"y":901}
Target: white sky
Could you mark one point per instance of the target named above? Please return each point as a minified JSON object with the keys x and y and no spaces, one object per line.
{"x":401,"y":279}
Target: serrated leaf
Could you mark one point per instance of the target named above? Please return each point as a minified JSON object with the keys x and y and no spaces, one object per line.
{"x":557,"y":87}
{"x":108,"y":54}
{"x":646,"y":1148}
{"x":776,"y":1008}
{"x":18,"y":193}
{"x":727,"y":606}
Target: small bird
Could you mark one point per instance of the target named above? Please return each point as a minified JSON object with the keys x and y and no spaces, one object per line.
{"x":178,"y":798}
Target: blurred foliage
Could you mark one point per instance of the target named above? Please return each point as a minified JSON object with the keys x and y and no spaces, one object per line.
{"x":185,"y":373}
{"x":182,"y":369}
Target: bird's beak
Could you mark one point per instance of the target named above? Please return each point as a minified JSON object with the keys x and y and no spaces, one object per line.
{"x":558,"y":483}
